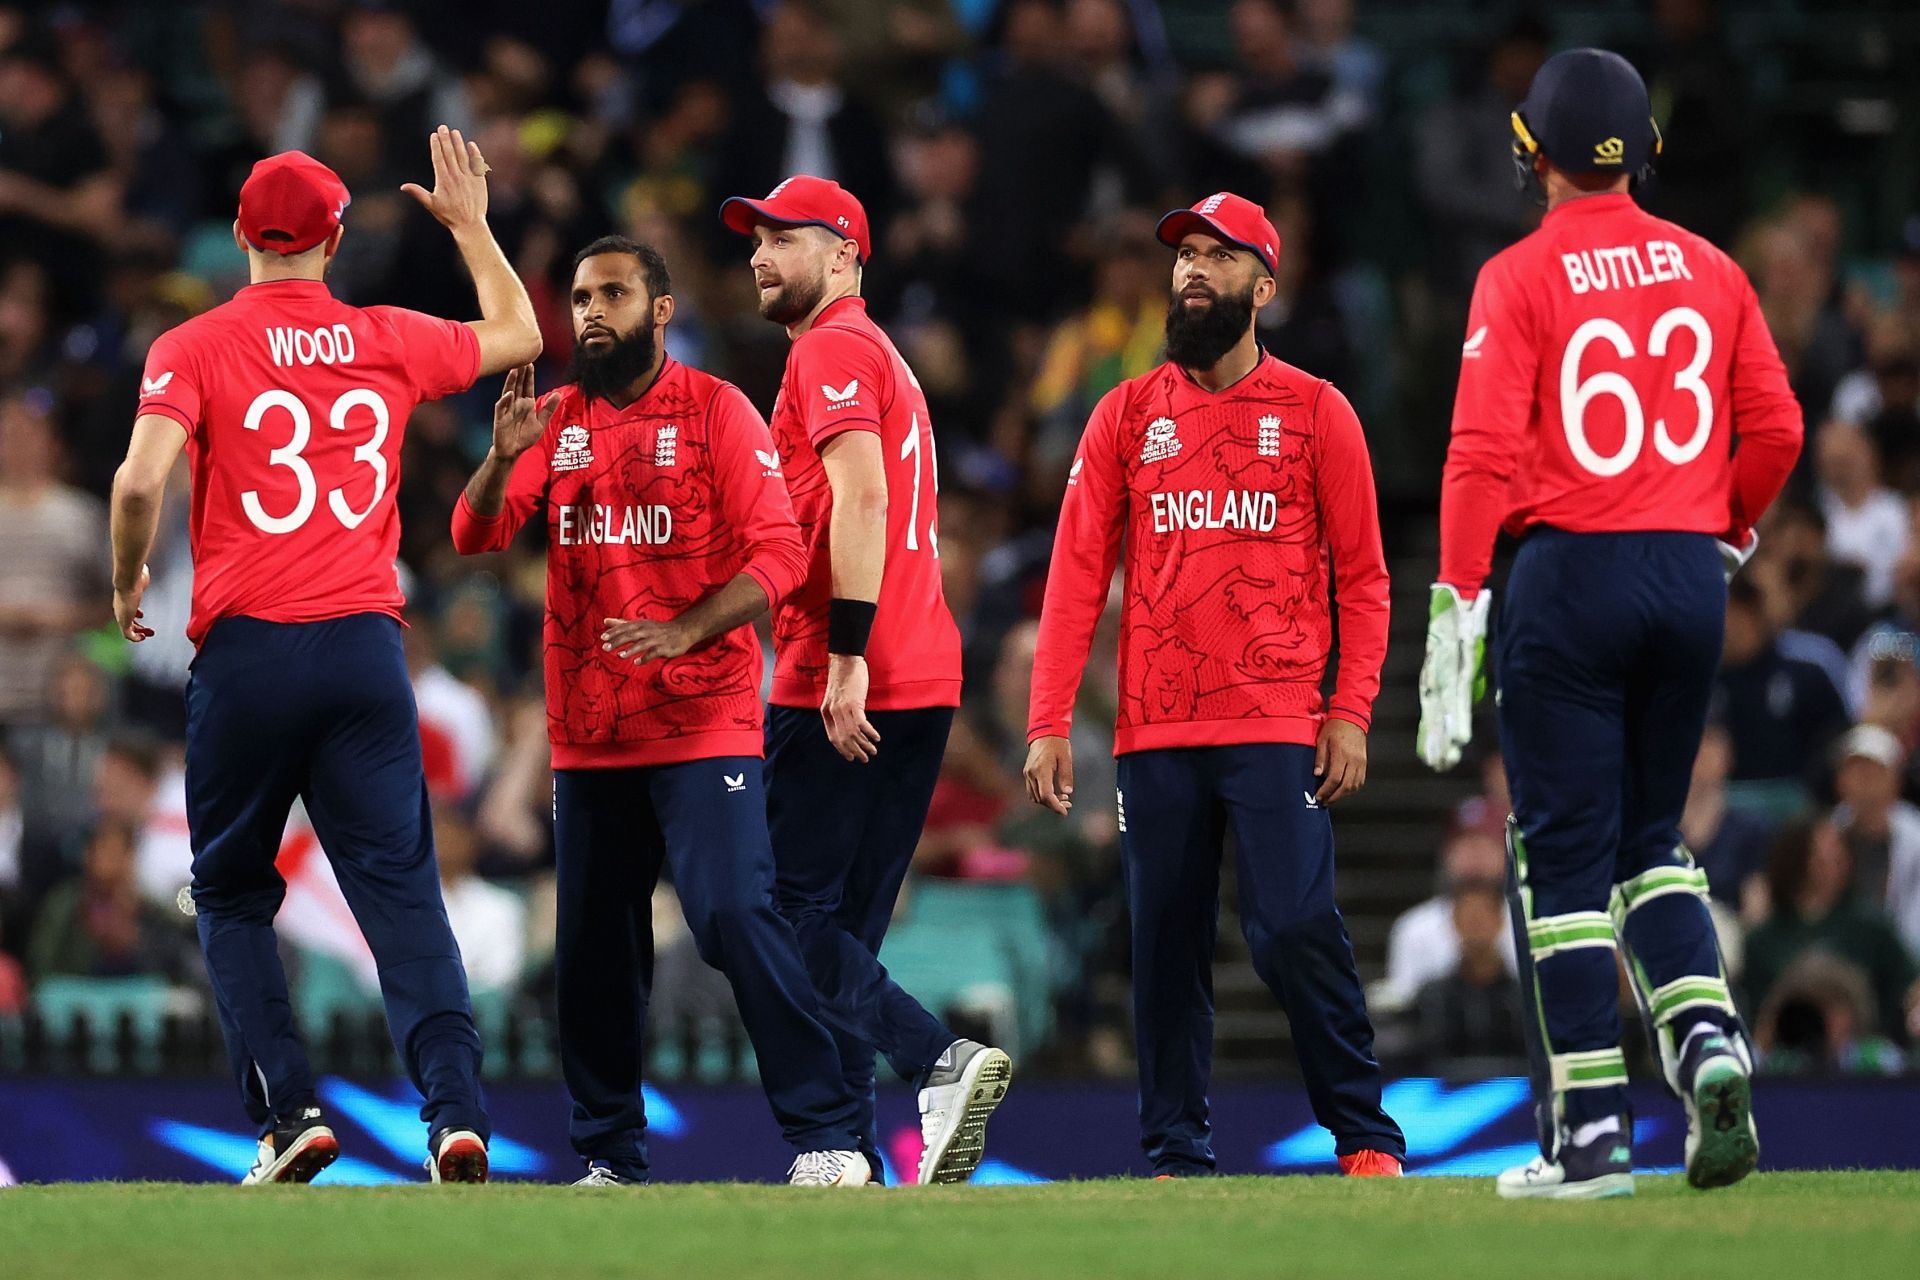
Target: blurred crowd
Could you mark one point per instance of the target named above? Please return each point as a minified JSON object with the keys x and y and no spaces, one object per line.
{"x":1012,"y":156}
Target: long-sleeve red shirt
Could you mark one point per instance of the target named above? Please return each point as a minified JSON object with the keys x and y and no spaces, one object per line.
{"x":1617,"y":376}
{"x":649,"y":510}
{"x":1235,"y":509}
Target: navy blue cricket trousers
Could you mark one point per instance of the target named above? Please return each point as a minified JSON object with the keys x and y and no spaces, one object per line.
{"x":1605,"y":655}
{"x":707,"y":820}
{"x":843,"y":837}
{"x":322,"y":712}
{"x":1176,"y":808}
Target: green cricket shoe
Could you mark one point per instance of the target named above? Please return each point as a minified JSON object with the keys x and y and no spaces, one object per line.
{"x":1722,"y":1144}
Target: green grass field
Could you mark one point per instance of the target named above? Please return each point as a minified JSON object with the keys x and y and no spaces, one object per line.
{"x":1856,"y":1225}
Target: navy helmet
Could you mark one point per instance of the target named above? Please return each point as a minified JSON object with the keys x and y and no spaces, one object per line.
{"x":1587,"y":111}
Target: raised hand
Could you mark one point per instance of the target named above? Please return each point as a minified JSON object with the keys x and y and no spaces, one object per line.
{"x":518,"y":421}
{"x":459,"y":195}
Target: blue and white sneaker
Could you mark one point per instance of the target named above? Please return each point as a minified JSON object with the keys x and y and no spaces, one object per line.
{"x":1723,"y":1145}
{"x":1598,"y":1170}
{"x":294,"y":1151}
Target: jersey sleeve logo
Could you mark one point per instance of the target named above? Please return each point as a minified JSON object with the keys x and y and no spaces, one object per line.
{"x":156,"y":386}
{"x":842,"y":398}
{"x":1470,"y":349}
{"x":1073,"y":476}
{"x":1269,"y":436}
{"x":768,"y":459}
{"x":1162,"y":440}
{"x":573,"y":450}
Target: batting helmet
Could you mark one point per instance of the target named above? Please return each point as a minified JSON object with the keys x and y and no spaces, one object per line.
{"x":1587,"y":111}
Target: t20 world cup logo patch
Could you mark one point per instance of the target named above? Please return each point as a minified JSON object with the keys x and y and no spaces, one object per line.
{"x":573,"y":450}
{"x":1162,"y":440}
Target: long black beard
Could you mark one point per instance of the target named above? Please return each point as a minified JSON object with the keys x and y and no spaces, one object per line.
{"x":795,"y":301}
{"x":607,"y":375}
{"x":1200,"y":337}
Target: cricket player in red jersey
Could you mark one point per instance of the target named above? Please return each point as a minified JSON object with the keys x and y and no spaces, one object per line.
{"x":867,"y":662}
{"x":1613,"y":362}
{"x":1236,"y":486}
{"x":292,"y":407}
{"x":668,"y":531}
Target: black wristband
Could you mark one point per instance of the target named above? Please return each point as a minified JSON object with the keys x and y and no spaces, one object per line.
{"x":849,"y":623}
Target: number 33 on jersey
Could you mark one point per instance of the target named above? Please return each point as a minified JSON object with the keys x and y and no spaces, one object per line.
{"x":1612,"y":360}
{"x":295,"y":405}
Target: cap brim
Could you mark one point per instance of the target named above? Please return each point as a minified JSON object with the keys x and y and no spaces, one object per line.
{"x":741,"y":215}
{"x":1181,"y":223}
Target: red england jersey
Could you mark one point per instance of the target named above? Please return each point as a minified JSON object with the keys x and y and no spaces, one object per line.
{"x":295,"y":405}
{"x":1235,"y":508}
{"x":844,"y":374}
{"x":649,"y":510}
{"x":1613,"y":363}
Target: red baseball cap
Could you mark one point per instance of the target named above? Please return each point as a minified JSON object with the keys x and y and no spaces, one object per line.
{"x":802,"y":201}
{"x":290,"y":203}
{"x":1226,"y":216}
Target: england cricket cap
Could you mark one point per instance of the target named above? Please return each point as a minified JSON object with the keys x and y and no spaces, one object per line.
{"x":290,"y":203}
{"x":1225,"y":216}
{"x":802,"y":201}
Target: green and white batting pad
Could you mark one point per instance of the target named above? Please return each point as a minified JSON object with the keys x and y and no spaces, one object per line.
{"x":1594,"y":1069}
{"x":1656,"y":882}
{"x":1550,"y":935}
{"x":1689,"y":992}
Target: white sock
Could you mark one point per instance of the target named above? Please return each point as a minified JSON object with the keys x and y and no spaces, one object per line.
{"x":1593,"y":1129}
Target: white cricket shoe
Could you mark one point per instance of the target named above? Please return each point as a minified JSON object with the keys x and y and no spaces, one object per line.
{"x":830,"y":1169}
{"x":960,"y":1093}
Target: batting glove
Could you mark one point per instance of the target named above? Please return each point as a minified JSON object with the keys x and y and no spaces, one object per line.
{"x":1733,"y":558}
{"x":1453,"y":677}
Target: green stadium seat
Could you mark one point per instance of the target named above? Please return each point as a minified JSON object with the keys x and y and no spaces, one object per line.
{"x":101,"y":1003}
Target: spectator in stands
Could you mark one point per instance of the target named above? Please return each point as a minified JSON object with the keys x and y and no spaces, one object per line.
{"x":1304,"y":325}
{"x":895,"y":50}
{"x":456,"y":725}
{"x":53,"y":577}
{"x":1702,"y":91}
{"x":1819,"y":594}
{"x":489,"y":922}
{"x":1045,"y":133}
{"x":126,"y":793}
{"x":389,"y":68}
{"x":1813,"y":907}
{"x":1882,"y":831}
{"x":1782,"y":711}
{"x":806,"y":120}
{"x":1358,"y":66}
{"x":59,"y":757}
{"x":1425,"y":944}
{"x":1728,"y":844}
{"x":1487,"y":812}
{"x":13,"y":978}
{"x":1472,"y":1014}
{"x":1795,"y":282}
{"x":1820,"y":1020}
{"x":96,"y":925}
{"x":59,"y":199}
{"x":1890,"y":379}
{"x":15,"y":853}
{"x":1463,"y":171}
{"x":1116,"y":336}
{"x":1867,"y":523}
